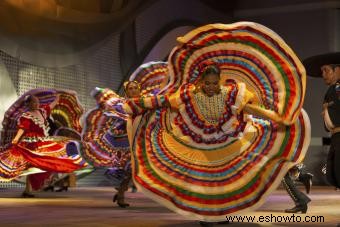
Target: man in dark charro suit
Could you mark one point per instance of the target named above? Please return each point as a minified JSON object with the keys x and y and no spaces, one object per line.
{"x":331,"y":114}
{"x":328,"y":66}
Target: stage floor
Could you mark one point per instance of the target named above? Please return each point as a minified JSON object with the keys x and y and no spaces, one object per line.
{"x":94,"y":207}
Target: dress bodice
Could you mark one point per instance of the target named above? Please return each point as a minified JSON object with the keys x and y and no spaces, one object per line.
{"x":33,"y":126}
{"x":211,"y":108}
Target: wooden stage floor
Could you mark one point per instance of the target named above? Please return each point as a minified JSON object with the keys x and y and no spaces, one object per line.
{"x":94,"y":207}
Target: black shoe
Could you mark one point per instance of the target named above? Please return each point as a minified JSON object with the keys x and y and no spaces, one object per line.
{"x":223,"y":222}
{"x":123,"y":205}
{"x":119,"y":201}
{"x":206,"y":224}
{"x":307,"y":181}
{"x":27,"y":195}
{"x":49,"y":188}
{"x":298,"y":208}
{"x":64,"y":188}
{"x":114,"y":198}
{"x":133,"y":189}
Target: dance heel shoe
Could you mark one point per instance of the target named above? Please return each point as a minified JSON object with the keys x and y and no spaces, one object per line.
{"x":120,"y":201}
{"x":206,"y":224}
{"x":27,"y":195}
{"x":114,"y":199}
{"x":299,"y":208}
{"x":64,"y":188}
{"x":133,"y":189}
{"x":49,"y":188}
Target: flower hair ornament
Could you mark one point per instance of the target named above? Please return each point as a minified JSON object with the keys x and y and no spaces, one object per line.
{"x":127,"y":83}
{"x":208,"y":67}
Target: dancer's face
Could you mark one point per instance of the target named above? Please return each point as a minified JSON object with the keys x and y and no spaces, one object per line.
{"x":330,"y":74}
{"x":210,"y":84}
{"x":133,"y":90}
{"x":34,"y":103}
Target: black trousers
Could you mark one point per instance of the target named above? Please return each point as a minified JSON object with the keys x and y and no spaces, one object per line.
{"x":333,"y":161}
{"x":297,"y":196}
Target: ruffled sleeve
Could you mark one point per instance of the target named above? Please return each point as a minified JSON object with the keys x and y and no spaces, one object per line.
{"x":243,"y":97}
{"x":179,"y":98}
{"x":175,"y":100}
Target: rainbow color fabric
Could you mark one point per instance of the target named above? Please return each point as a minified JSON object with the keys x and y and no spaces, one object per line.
{"x":151,"y":76}
{"x":66,"y":113}
{"x":104,"y":135}
{"x":205,"y":170}
{"x":42,"y":152}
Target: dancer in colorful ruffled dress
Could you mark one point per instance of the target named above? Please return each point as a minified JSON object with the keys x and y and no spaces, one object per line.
{"x":33,"y":147}
{"x":105,"y":136}
{"x":234,"y":127}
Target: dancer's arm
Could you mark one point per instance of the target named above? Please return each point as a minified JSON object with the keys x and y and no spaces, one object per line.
{"x":262,"y":113}
{"x":18,"y":136}
{"x":136,"y":106}
{"x":244,"y":103}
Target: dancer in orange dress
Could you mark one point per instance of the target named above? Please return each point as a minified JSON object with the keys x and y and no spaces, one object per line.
{"x":233,"y":128}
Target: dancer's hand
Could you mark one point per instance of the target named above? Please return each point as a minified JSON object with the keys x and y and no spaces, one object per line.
{"x":15,"y":141}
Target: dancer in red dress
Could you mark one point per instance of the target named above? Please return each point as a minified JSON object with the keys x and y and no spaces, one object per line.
{"x":33,"y":147}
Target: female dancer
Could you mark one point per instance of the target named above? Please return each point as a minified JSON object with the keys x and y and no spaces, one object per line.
{"x":105,"y":136}
{"x":33,"y":147}
{"x":132,"y":90}
{"x":234,"y":126}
